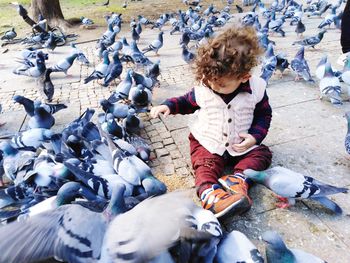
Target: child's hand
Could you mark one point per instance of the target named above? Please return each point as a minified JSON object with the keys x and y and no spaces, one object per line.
{"x":248,"y":141}
{"x":155,"y":111}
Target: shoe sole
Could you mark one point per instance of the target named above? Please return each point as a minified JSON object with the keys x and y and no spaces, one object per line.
{"x":237,"y":208}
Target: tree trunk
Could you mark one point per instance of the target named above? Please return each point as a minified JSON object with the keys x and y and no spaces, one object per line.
{"x":50,"y":10}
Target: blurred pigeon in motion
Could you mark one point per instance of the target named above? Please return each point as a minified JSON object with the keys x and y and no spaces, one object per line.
{"x":320,"y":68}
{"x":35,"y":70}
{"x":31,"y":138}
{"x":347,"y":137}
{"x":269,"y":65}
{"x":51,"y":42}
{"x":155,"y":45}
{"x":144,"y":21}
{"x":329,"y":19}
{"x":311,"y":41}
{"x":134,"y":35}
{"x":100,"y":70}
{"x":16,"y":163}
{"x":64,"y":64}
{"x":185,"y":39}
{"x":276,"y":26}
{"x":282,"y":63}
{"x":278,"y":252}
{"x":86,"y":21}
{"x":300,"y":28}
{"x":292,"y":185}
{"x":187,"y":55}
{"x":245,"y":250}
{"x":9,"y":35}
{"x":82,"y":59}
{"x":45,"y":236}
{"x":41,"y":118}
{"x":114,"y":69}
{"x":45,"y":85}
{"x":300,"y":66}
{"x":330,"y":86}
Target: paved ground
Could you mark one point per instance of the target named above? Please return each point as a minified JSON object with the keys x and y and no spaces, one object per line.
{"x":306,"y":135}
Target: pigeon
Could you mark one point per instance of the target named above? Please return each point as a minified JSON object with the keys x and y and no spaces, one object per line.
{"x":51,"y":42}
{"x":330,"y":86}
{"x":346,"y":70}
{"x":300,"y":66}
{"x":100,"y":70}
{"x":35,"y":71}
{"x":28,"y":105}
{"x":81,"y":56}
{"x":244,"y":250}
{"x":119,"y":110}
{"x":114,"y":69}
{"x":86,"y":21}
{"x":64,"y":64}
{"x":9,"y":35}
{"x":187,"y":55}
{"x":134,"y":35}
{"x":155,"y":45}
{"x":132,"y":123}
{"x":300,"y":28}
{"x":46,"y":86}
{"x":282,"y":63}
{"x":143,"y":80}
{"x":278,"y":252}
{"x":311,"y":41}
{"x":16,"y":162}
{"x":292,"y":185}
{"x":239,"y":9}
{"x":144,"y":21}
{"x":123,"y":88}
{"x":347,"y":137}
{"x":41,"y":118}
{"x":112,"y":127}
{"x":329,"y":19}
{"x":31,"y":138}
{"x":140,"y":96}
{"x":269,"y":65}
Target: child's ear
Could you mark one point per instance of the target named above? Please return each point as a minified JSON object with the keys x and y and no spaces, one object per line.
{"x":246,"y":77}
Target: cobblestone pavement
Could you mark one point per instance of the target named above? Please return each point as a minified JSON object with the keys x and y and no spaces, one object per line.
{"x":306,"y":135}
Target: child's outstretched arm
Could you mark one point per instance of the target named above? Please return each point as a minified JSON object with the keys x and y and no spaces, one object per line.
{"x":185,"y":104}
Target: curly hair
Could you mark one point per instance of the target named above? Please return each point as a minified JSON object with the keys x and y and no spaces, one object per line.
{"x":234,"y":52}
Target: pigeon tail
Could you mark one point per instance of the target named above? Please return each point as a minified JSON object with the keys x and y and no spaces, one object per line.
{"x":326,"y":202}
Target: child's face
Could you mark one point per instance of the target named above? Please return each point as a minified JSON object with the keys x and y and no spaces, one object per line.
{"x":227,"y":84}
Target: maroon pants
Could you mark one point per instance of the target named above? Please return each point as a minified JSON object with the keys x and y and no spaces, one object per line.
{"x":208,"y":167}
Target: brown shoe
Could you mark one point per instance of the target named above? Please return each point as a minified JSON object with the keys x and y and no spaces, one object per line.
{"x":220,"y":202}
{"x":236,"y":184}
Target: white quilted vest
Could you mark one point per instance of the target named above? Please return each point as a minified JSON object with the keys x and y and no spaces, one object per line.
{"x":216,"y":125}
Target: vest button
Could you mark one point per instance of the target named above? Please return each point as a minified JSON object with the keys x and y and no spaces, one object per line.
{"x":227,"y":144}
{"x":229,"y":120}
{"x":229,"y":106}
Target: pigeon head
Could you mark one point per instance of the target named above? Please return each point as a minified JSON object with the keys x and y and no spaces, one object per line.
{"x":273,"y":239}
{"x":300,"y":53}
{"x":328,"y":72}
{"x":322,"y":61}
{"x":18,"y":98}
{"x":7,"y":149}
{"x":256,"y":176}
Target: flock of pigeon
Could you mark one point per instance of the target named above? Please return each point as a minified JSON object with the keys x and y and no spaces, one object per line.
{"x":87,"y":194}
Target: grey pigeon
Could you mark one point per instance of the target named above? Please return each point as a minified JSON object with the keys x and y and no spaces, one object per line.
{"x":100,"y":70}
{"x":46,"y":86}
{"x":300,"y":66}
{"x":282,"y":63}
{"x":33,"y":71}
{"x":114,"y":69}
{"x":81,"y":56}
{"x":32,"y":137}
{"x":300,"y":28}
{"x":9,"y":35}
{"x":64,"y":64}
{"x":123,"y":88}
{"x":311,"y":41}
{"x":278,"y":252}
{"x":269,"y":65}
{"x":187,"y":55}
{"x":347,"y":137}
{"x":86,"y":21}
{"x":41,"y":118}
{"x":236,"y":247}
{"x":292,"y":185}
{"x":155,"y":45}
{"x":140,"y":96}
{"x":330,"y":86}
